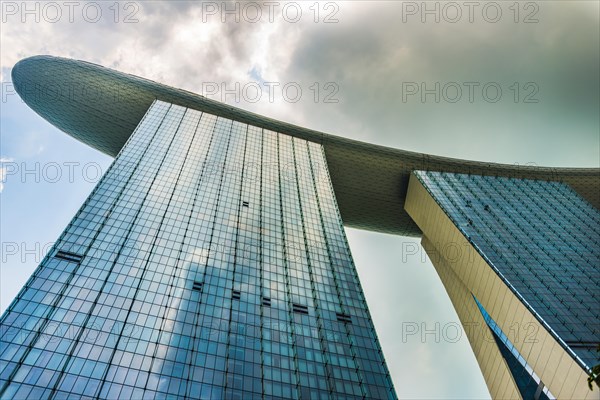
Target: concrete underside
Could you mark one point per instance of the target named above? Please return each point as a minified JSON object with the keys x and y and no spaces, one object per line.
{"x":101,"y":107}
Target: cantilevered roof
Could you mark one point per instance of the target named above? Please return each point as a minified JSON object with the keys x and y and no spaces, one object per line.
{"x":101,"y":107}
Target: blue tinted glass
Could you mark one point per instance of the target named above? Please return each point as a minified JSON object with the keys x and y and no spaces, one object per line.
{"x":209,"y":262}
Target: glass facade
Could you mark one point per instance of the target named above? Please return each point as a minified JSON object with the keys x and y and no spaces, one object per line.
{"x":543,"y":241}
{"x":209,"y":262}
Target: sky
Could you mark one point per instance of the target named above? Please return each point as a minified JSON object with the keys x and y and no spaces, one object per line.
{"x":509,"y":82}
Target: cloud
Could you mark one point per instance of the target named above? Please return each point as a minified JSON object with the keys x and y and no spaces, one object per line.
{"x":371,"y":54}
{"x":3,"y":171}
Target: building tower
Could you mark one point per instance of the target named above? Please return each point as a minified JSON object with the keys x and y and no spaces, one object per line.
{"x":209,"y":262}
{"x":519,"y":259}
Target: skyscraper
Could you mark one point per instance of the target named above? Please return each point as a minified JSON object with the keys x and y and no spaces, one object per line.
{"x":210,"y":261}
{"x":521,"y":258}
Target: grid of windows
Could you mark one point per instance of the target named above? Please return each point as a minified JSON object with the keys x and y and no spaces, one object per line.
{"x":542,"y":238}
{"x":209,"y":262}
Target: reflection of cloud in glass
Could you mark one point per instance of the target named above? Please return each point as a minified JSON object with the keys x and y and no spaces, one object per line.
{"x":170,"y":359}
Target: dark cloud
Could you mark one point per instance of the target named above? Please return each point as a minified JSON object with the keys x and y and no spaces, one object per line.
{"x":371,"y":55}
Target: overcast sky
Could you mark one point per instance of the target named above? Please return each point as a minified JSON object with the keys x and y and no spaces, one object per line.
{"x":507,"y":82}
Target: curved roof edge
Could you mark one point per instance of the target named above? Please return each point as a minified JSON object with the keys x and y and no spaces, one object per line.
{"x":101,"y":107}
